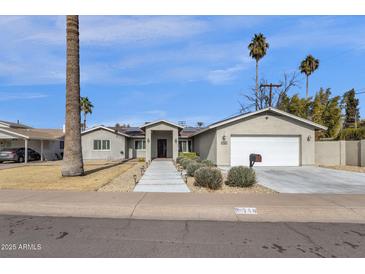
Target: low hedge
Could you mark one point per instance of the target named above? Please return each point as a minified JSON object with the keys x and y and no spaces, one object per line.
{"x":208,"y":177}
{"x":241,"y":176}
{"x":189,"y":155}
{"x":207,"y":163}
{"x":192,"y":167}
{"x":185,"y":162}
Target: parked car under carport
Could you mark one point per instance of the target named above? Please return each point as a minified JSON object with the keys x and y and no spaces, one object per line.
{"x":18,"y":155}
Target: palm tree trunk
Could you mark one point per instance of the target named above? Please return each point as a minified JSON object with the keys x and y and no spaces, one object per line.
{"x":307,"y":88}
{"x":72,"y":164}
{"x":257,"y":83}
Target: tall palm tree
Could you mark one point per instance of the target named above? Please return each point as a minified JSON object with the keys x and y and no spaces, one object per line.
{"x":258,"y":48}
{"x":308,"y":66}
{"x":86,"y":108}
{"x":72,"y":164}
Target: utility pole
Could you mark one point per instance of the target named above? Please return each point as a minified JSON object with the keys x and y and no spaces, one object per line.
{"x":271,"y":85}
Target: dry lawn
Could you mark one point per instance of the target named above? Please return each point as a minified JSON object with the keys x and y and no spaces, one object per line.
{"x":227,"y":189}
{"x":48,"y":177}
{"x":347,"y":168}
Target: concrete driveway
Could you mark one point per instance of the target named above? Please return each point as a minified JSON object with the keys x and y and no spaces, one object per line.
{"x":311,"y":180}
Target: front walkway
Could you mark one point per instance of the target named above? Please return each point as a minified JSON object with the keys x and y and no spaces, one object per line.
{"x":161,"y":176}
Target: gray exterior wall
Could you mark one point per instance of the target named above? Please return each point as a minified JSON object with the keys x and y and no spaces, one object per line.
{"x":353,"y":156}
{"x":330,"y":153}
{"x":118,"y":144}
{"x":266,"y":124}
{"x":205,"y":144}
{"x":132,"y":152}
{"x":336,"y":153}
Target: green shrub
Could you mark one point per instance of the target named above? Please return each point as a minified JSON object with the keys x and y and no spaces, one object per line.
{"x":185,"y":162}
{"x":192,"y":167}
{"x":178,"y":159}
{"x":208,"y":177}
{"x":241,"y":176}
{"x":207,"y":163}
{"x":189,"y":155}
{"x":352,"y":134}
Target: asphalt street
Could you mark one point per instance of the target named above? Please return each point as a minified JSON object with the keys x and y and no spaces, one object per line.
{"x":30,"y":236}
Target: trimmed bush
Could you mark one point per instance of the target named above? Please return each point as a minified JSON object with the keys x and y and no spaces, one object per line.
{"x":208,"y":177}
{"x":241,"y":176}
{"x":185,"y":162}
{"x":207,"y":163}
{"x":189,"y":155}
{"x":192,"y":167}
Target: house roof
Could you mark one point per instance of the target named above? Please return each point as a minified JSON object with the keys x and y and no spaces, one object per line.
{"x":161,"y":121}
{"x":13,"y":125}
{"x":249,"y":114}
{"x":35,"y":133}
{"x":104,"y":128}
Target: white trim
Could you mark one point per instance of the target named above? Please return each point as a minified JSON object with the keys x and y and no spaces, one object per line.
{"x":105,"y":128}
{"x":239,"y":117}
{"x":161,"y":121}
{"x":17,"y":134}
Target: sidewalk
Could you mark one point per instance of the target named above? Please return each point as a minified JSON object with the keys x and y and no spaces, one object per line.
{"x":186,"y":206}
{"x":161,"y":176}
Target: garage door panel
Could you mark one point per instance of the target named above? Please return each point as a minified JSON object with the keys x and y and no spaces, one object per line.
{"x":275,"y":150}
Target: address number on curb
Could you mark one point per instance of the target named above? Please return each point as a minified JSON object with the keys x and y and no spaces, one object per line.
{"x":245,"y":210}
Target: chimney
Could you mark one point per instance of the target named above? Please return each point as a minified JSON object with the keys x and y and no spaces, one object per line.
{"x":18,"y":122}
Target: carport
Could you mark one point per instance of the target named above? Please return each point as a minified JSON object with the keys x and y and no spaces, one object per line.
{"x":32,"y":138}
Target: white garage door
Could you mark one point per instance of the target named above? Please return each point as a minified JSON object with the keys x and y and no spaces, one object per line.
{"x":275,"y":150}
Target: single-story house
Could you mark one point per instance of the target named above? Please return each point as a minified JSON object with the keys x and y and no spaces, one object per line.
{"x":47,"y":142}
{"x":281,"y":138}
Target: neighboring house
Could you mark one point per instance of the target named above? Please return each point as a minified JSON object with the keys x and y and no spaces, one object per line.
{"x":281,"y":138}
{"x":47,"y":142}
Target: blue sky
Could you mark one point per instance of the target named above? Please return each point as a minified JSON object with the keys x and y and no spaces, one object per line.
{"x":137,"y":69}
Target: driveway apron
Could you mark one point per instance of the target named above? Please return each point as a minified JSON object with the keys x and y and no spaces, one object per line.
{"x":161,"y":176}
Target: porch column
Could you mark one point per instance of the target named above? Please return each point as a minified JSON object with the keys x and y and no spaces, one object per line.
{"x":148,"y":144}
{"x":25,"y":151}
{"x":42,"y":150}
{"x":175,"y":143}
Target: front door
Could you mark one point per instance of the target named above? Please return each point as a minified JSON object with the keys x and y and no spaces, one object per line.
{"x":161,"y":148}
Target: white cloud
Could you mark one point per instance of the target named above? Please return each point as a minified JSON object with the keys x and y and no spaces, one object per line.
{"x":222,"y":76}
{"x":10,"y":96}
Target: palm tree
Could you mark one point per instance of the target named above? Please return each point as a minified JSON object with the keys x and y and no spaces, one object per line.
{"x":86,"y":108}
{"x":72,"y":164}
{"x":258,"y":48}
{"x":308,"y":66}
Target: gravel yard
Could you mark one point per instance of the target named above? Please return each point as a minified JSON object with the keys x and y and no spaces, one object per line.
{"x":227,"y":189}
{"x":124,"y":182}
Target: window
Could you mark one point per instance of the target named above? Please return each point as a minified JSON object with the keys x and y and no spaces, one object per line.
{"x":185,"y":146}
{"x":62,"y":144}
{"x":101,"y":144}
{"x":139,"y":144}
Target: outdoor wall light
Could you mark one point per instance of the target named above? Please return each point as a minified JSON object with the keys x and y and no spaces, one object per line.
{"x":223,"y":137}
{"x":309,"y":138}
{"x":148,"y":140}
{"x":175,"y":141}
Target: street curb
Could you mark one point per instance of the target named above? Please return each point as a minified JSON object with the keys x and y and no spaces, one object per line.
{"x":187,"y":206}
